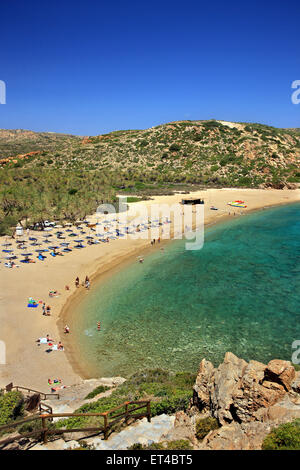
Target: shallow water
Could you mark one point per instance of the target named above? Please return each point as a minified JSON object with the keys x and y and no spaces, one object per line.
{"x":240,"y":293}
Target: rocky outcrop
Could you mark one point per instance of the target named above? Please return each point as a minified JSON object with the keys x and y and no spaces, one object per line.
{"x":247,"y":399}
{"x":202,"y":387}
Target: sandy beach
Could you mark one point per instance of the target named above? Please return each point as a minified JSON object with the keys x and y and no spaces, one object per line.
{"x":28,"y":364}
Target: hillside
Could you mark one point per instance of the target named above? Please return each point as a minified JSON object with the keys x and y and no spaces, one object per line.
{"x":177,"y":155}
{"x":19,"y":141}
{"x":184,"y":151}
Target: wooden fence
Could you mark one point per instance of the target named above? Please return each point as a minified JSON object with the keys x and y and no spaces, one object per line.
{"x":109,"y":419}
{"x":44,"y":396}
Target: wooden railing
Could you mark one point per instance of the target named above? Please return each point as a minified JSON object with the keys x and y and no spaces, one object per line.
{"x":110,"y":418}
{"x":43,"y":395}
{"x":43,"y":408}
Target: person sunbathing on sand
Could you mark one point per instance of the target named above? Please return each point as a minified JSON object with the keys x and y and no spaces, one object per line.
{"x":66,"y":329}
{"x":44,"y":340}
{"x":54,"y":381}
{"x":54,"y":293}
{"x":55,"y":389}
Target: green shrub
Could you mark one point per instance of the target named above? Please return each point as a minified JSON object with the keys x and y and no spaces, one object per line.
{"x":32,"y":426}
{"x":174,"y":147}
{"x":244,"y":181}
{"x":11,"y":407}
{"x":97,"y":391}
{"x":170,"y":405}
{"x":133,"y":199}
{"x":168,"y":392}
{"x":136,"y":446}
{"x":214,"y":168}
{"x":6,"y":223}
{"x":284,"y":437}
{"x":204,"y":426}
{"x":180,"y":444}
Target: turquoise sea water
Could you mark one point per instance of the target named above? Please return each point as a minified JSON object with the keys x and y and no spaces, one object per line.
{"x":240,"y":293}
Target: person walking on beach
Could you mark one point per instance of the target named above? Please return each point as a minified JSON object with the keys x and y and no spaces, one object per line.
{"x":77,"y":282}
{"x":44,"y":308}
{"x":48,"y":310}
{"x":87,"y":284}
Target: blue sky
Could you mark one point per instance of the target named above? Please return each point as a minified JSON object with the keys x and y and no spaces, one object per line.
{"x":91,"y":67}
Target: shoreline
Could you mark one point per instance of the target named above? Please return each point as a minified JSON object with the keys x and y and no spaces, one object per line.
{"x":25,"y":365}
{"x":109,"y":270}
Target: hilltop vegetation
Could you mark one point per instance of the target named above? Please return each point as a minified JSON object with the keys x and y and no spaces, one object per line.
{"x":18,"y":141}
{"x":66,"y":177}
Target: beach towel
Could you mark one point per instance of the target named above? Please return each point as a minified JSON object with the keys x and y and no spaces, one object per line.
{"x":56,"y":382}
{"x":55,"y":348}
{"x":55,"y":389}
{"x":43,"y":340}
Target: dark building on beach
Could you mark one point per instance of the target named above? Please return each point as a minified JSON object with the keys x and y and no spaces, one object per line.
{"x":192,"y":201}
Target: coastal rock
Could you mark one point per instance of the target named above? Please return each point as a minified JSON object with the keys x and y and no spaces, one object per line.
{"x":228,"y":437}
{"x":282,"y":372}
{"x":248,"y":399}
{"x":237,"y":437}
{"x":227,"y":378}
{"x":296,"y":383}
{"x":254,"y":392}
{"x":236,"y":390}
{"x":202,"y":387}
{"x":184,"y":428}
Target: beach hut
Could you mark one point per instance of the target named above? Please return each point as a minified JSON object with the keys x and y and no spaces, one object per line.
{"x":192,"y":201}
{"x":19,"y":230}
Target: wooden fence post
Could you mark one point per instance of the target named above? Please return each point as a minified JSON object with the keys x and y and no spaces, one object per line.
{"x":105,"y":426}
{"x":148,"y":412}
{"x":44,"y":428}
{"x":127,"y":414}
